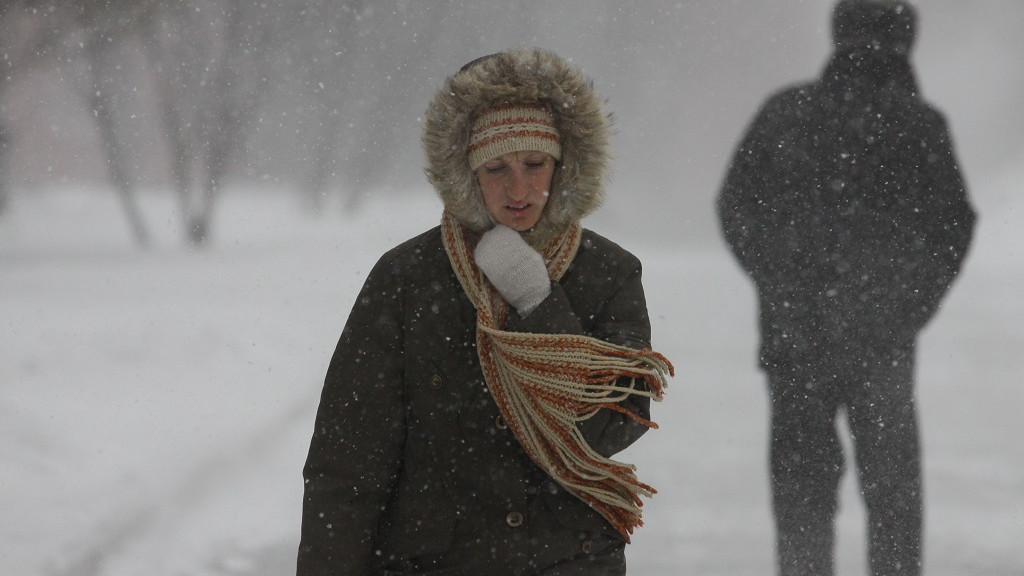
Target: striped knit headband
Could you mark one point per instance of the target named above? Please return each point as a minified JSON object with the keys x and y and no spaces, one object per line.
{"x":512,"y":128}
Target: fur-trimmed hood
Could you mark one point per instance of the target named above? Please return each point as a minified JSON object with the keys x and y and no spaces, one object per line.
{"x":522,"y":75}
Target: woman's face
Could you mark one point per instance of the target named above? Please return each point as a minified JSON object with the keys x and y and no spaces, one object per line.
{"x":515,"y":187}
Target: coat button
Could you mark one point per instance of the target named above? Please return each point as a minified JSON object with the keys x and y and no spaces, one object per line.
{"x":435,"y":382}
{"x":587,"y":547}
{"x":514,"y":519}
{"x":500,"y":423}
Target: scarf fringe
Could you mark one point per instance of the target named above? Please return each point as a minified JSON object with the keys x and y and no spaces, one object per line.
{"x":546,"y":384}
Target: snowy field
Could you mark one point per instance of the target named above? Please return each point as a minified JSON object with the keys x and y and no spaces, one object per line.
{"x":156,"y":405}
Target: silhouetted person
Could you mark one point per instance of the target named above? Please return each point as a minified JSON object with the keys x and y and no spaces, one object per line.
{"x":845,"y":205}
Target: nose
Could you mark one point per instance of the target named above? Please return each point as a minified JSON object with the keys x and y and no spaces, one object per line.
{"x":517,"y":187}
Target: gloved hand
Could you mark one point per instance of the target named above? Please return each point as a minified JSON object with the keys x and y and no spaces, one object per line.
{"x":514,"y":268}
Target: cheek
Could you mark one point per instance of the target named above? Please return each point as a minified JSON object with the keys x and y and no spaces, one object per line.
{"x":541,"y":196}
{"x":490,"y":192}
{"x":542,"y":188}
{"x":492,"y":195}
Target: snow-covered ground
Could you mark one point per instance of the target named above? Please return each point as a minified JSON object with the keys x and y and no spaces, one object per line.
{"x":156,"y":405}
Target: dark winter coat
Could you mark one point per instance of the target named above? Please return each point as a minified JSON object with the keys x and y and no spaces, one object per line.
{"x":845,"y":205}
{"x":411,"y":469}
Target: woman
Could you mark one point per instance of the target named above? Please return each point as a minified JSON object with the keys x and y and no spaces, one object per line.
{"x":491,"y":365}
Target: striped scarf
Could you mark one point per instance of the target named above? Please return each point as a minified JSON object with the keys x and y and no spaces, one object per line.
{"x":545,"y":384}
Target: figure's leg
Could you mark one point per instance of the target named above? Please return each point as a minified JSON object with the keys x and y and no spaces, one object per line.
{"x":883,"y":421}
{"x":806,"y":467}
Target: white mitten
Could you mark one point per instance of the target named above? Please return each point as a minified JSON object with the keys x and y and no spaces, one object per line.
{"x":514,"y":268}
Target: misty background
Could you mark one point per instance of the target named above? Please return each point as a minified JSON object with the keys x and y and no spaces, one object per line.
{"x":323,"y":99}
{"x":157,"y":400}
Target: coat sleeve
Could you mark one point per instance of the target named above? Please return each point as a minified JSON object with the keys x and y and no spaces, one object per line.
{"x":621,"y":319}
{"x":757,"y":226}
{"x":947,"y":224}
{"x":355,"y":452}
{"x":911,"y":248}
{"x":738,"y":203}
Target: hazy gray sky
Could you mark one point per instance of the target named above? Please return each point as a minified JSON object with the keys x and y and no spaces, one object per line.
{"x":682,"y":78}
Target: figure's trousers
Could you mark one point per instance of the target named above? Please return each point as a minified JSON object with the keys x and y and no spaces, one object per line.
{"x":807,"y":463}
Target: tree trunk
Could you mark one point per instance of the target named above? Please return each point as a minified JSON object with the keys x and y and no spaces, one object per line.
{"x":5,"y":178}
{"x":102,"y":104}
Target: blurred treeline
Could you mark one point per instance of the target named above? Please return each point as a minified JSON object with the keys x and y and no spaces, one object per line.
{"x":194,"y":93}
{"x":324,"y":97}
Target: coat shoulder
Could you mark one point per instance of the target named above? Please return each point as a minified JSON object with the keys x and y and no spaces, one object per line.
{"x":597,"y":248}
{"x":416,"y":244}
{"x":415,"y":252}
{"x":790,"y":97}
{"x":782,"y":110}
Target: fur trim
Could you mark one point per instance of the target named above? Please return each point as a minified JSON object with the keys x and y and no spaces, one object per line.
{"x":526,"y":75}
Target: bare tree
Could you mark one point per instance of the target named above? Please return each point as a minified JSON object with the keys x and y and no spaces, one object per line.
{"x":360,"y":79}
{"x":396,"y":73}
{"x":30,"y":34}
{"x":107,"y":27}
{"x":332,"y":32}
{"x":37,"y":32}
{"x":211,"y":62}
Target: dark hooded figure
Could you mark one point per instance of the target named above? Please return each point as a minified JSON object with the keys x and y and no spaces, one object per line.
{"x":492,"y":365}
{"x":845,"y":205}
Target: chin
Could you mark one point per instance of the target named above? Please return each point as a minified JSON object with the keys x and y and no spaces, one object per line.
{"x":521,"y":225}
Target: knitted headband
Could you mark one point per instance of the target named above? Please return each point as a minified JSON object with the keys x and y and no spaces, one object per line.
{"x":512,"y":128}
